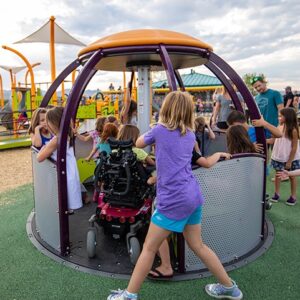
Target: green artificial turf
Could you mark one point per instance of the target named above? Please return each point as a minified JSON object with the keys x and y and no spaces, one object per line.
{"x":25,"y":273}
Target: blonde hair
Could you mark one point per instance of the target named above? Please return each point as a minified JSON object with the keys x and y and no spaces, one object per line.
{"x":219,"y":90}
{"x":128,"y":132}
{"x":224,"y":90}
{"x":177,"y":112}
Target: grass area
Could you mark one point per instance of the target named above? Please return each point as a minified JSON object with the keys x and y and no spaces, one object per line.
{"x":28,"y":274}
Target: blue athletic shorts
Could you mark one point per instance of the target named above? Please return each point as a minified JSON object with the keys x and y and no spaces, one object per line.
{"x":162,"y":221}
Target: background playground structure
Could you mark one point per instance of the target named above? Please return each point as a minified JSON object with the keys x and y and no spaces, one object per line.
{"x":15,"y":115}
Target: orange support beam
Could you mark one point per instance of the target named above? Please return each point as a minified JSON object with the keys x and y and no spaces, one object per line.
{"x":33,"y":95}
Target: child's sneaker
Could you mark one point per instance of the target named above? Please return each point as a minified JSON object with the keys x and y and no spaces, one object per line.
{"x":291,"y":201}
{"x":220,"y":291}
{"x":275,"y":198}
{"x":122,"y":295}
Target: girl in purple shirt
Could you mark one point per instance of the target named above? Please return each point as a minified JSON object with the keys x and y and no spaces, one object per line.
{"x":179,"y":198}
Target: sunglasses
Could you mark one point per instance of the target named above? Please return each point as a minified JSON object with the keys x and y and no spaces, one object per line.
{"x":255,"y":79}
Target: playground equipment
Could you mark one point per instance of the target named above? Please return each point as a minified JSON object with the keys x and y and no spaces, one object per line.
{"x":15,"y":115}
{"x":52,"y":34}
{"x":234,"y":222}
{"x":124,"y":205}
{"x":49,"y":33}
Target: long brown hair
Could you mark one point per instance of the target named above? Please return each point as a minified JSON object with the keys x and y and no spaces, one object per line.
{"x":290,"y":123}
{"x":54,"y":116}
{"x":100,"y":124}
{"x":35,"y":119}
{"x":177,"y":112}
{"x":109,"y":130}
{"x":238,"y":140}
{"x":199,"y":124}
{"x":132,"y":108}
{"x":129,"y":132}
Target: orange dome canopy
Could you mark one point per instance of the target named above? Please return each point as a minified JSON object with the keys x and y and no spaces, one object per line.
{"x":145,"y":37}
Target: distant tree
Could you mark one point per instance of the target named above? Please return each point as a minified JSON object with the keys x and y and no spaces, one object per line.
{"x":247,"y":79}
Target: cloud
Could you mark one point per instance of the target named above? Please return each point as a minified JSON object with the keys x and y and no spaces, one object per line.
{"x":261,"y":36}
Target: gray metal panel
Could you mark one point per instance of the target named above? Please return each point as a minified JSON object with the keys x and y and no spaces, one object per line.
{"x":232,"y":214}
{"x":83,"y":149}
{"x":219,"y":144}
{"x":46,"y":201}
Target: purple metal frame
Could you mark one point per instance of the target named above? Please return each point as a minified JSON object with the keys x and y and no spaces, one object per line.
{"x":217,"y":65}
{"x":254,"y":114}
{"x":69,"y":113}
{"x":213,"y":68}
{"x":179,"y":80}
{"x":57,"y":82}
{"x":165,"y":58}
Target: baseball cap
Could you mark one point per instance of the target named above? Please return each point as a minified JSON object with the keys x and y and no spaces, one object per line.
{"x":255,"y":79}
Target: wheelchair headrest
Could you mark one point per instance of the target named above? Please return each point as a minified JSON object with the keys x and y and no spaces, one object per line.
{"x":115,"y":144}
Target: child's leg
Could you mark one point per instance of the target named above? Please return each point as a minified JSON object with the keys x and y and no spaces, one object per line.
{"x":192,"y":234}
{"x":293,"y":181}
{"x":154,"y":239}
{"x":165,"y":267}
{"x":277,"y":185}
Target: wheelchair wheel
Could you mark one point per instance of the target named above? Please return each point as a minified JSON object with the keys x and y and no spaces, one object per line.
{"x":134,"y":249}
{"x":91,"y":243}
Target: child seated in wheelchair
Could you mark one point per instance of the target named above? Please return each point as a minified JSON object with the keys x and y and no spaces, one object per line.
{"x":124,"y":205}
{"x":124,"y":173}
{"x":131,"y":132}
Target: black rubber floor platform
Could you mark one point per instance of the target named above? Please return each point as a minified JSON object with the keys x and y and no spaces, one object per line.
{"x":112,"y":258}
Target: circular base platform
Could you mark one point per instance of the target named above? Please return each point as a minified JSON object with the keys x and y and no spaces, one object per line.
{"x":116,"y":263}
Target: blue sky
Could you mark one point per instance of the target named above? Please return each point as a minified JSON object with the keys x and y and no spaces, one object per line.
{"x":256,"y":36}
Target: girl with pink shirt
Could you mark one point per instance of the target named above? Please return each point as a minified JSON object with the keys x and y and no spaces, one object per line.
{"x":286,"y":152}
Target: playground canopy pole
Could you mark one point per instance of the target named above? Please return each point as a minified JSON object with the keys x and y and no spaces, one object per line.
{"x":73,"y":76}
{"x":1,"y":93}
{"x":30,"y":71}
{"x":52,"y":55}
{"x":27,"y":72}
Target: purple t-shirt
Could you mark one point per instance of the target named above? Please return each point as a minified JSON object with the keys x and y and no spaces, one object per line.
{"x":178,"y":192}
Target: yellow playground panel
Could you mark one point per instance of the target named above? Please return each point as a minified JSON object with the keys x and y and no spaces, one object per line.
{"x":104,"y":103}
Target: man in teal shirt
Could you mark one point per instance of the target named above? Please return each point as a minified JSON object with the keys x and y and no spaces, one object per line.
{"x":269,"y":101}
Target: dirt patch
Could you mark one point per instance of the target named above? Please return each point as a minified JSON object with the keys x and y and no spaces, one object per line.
{"x":15,"y":168}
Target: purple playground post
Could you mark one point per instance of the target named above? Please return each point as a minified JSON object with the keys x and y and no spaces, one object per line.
{"x":69,"y":113}
{"x":59,"y":79}
{"x":165,"y":58}
{"x":226,"y":83}
{"x":179,"y":80}
{"x":254,"y":114}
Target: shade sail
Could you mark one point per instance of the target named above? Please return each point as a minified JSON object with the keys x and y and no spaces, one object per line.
{"x":42,"y":35}
{"x":14,"y":70}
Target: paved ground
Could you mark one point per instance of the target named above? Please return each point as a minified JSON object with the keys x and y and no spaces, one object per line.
{"x":15,"y":168}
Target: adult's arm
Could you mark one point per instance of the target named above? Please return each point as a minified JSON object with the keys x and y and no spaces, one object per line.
{"x":290,"y":98}
{"x":279,"y":101}
{"x":216,"y":112}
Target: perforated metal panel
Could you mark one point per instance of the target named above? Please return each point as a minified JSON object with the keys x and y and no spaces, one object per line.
{"x":232,"y":214}
{"x":46,"y":201}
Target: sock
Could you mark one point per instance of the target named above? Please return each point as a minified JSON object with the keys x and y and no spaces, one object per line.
{"x":131,"y":295}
